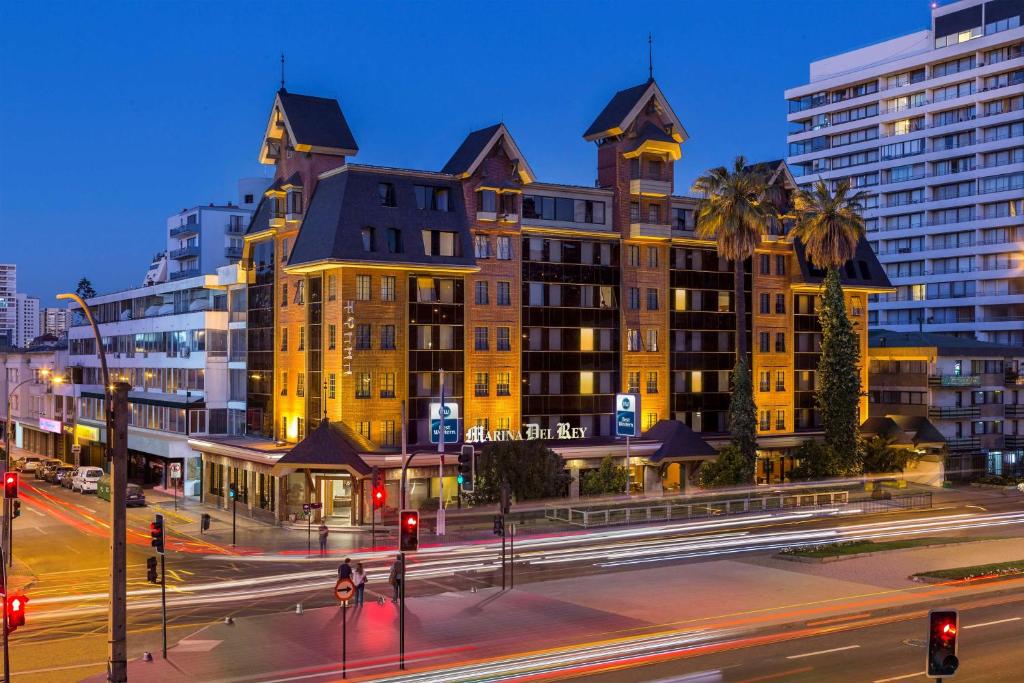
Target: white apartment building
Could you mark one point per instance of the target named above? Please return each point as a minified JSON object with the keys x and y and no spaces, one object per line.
{"x":41,"y":413}
{"x":181,"y":346}
{"x":30,"y":322}
{"x":8,"y":303}
{"x":931,"y":126}
{"x":203,"y":238}
{"x":56,"y":321}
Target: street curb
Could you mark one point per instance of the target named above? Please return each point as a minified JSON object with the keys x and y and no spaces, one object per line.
{"x":986,"y":578}
{"x":837,"y":558}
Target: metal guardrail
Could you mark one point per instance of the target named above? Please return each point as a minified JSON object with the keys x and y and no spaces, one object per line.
{"x":664,"y":511}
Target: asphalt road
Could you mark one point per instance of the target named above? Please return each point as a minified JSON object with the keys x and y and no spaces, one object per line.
{"x":61,"y":539}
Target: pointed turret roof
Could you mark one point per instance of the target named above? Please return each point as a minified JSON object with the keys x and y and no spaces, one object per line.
{"x":622,"y":109}
{"x":478,"y":144}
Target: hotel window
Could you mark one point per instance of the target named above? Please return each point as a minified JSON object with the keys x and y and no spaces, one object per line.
{"x":504,"y":294}
{"x":765,"y":342}
{"x":504,"y":248}
{"x":433,"y":198}
{"x":650,"y":419}
{"x":387,"y":337}
{"x":586,"y":382}
{"x":765,"y":378}
{"x":362,"y":287}
{"x":302,"y":338}
{"x":480,"y":292}
{"x":387,"y":288}
{"x":652,"y":382}
{"x":363,"y":337}
{"x":300,"y":293}
{"x":653,"y":213}
{"x":386,"y":194}
{"x":300,"y":428}
{"x":634,"y":298}
{"x":679,"y":299}
{"x":364,"y":430}
{"x":363,"y":385}
{"x":300,"y":385}
{"x":504,"y":341}
{"x":633,"y":255}
{"x":586,"y":339}
{"x":780,"y":420}
{"x":652,"y":257}
{"x":652,"y":299}
{"x":780,"y":342}
{"x":284,"y":429}
{"x":439,"y":243}
{"x":332,"y":287}
{"x":284,"y":295}
{"x":766,"y":303}
{"x":652,"y":340}
{"x":481,"y":385}
{"x":504,"y":384}
{"x":780,"y":380}
{"x":480,"y":339}
{"x":387,"y":384}
{"x":332,"y":337}
{"x":634,"y":212}
{"x":681,"y":218}
{"x":632,"y":340}
{"x":367,"y":237}
{"x":387,"y":433}
{"x":766,"y":420}
{"x":284,"y":338}
{"x":394,"y":240}
{"x":284,"y":250}
{"x":723,"y":302}
{"x":481,"y":247}
{"x":766,"y":263}
{"x":284,"y":383}
{"x":487,"y":200}
{"x":633,"y":382}
{"x":780,"y":265}
{"x":332,"y":385}
{"x":780,"y":303}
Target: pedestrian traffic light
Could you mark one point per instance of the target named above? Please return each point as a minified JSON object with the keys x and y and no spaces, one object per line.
{"x":380,"y":496}
{"x":151,"y":570}
{"x":16,"y":509}
{"x":942,"y":630}
{"x":11,"y":485}
{"x":15,"y":606}
{"x":409,"y":530}
{"x":232,"y":491}
{"x":499,"y":525}
{"x":467,"y":468}
{"x":156,"y":533}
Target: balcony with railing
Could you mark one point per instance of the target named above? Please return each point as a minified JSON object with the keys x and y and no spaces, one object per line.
{"x":188,"y":251}
{"x":954,"y":412}
{"x":233,"y":253}
{"x":954,"y":380}
{"x":963,"y":445}
{"x":185,"y":230}
{"x":183,"y":274}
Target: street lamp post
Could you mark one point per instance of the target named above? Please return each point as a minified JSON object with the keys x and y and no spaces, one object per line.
{"x":117,"y":624}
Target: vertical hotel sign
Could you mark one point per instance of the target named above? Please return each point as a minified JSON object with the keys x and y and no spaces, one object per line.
{"x":348,"y":336}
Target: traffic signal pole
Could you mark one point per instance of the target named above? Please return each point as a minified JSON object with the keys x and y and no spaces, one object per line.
{"x":401,"y":616}
{"x":163,"y":600}
{"x":117,"y":624}
{"x":3,"y":578}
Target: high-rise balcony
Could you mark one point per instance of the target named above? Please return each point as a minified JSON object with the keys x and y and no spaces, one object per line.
{"x":189,"y":251}
{"x":182,"y":274}
{"x":185,"y":230}
{"x":650,"y":187}
{"x":650,"y":230}
{"x":233,"y":252}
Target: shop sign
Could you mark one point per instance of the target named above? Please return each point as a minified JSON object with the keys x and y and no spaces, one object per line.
{"x":451,"y":422}
{"x":563,"y":430}
{"x":348,"y":336}
{"x":86,"y":432}
{"x":175,"y":470}
{"x":626,"y":409}
{"x":52,"y":426}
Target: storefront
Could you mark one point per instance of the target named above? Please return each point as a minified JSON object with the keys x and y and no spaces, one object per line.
{"x":42,"y":436}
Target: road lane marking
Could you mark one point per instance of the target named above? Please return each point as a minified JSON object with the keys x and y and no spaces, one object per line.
{"x":834,"y":620}
{"x":900,"y":678}
{"x":32,"y":509}
{"x":993,"y":623}
{"x":823,"y":652}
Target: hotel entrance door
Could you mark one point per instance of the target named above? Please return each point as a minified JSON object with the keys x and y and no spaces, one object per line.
{"x":335,"y":493}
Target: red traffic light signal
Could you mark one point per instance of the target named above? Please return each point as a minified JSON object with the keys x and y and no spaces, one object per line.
{"x":409,"y":530}
{"x":15,"y":611}
{"x":943,"y":626}
{"x":156,"y":533}
{"x":11,"y":485}
{"x":380,"y":496}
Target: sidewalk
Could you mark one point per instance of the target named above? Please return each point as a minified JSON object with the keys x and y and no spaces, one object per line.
{"x":722,"y":595}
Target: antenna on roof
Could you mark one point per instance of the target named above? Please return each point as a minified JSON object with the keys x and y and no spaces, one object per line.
{"x":650,"y":57}
{"x":282,"y":71}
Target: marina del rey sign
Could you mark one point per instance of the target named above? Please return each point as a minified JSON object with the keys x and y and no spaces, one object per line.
{"x":563,"y":430}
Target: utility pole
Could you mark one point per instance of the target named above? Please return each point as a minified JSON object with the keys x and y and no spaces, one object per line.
{"x":7,"y":650}
{"x":117,"y":620}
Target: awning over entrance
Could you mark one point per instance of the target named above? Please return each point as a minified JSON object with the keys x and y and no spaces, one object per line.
{"x":904,"y":430}
{"x":325,"y":448}
{"x":678,"y":443}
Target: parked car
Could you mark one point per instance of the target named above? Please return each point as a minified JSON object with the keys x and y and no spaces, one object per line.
{"x":46,"y":467}
{"x":86,"y":479}
{"x":135,"y":497}
{"x":68,"y":478}
{"x":28,"y":463}
{"x":62,"y":473}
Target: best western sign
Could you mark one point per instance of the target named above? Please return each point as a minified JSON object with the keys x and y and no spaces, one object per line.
{"x":627,"y":407}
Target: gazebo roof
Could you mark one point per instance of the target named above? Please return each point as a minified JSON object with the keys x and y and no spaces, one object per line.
{"x":324,"y":448}
{"x":678,"y":442}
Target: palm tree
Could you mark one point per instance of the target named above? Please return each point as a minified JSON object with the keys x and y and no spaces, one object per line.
{"x":830,"y":225}
{"x":734,"y":211}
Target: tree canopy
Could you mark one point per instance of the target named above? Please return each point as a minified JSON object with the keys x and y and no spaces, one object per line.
{"x":532,"y":470}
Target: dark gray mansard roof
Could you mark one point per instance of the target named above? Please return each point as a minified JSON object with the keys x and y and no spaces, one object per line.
{"x":345,"y":202}
{"x":469,"y":150}
{"x":862,"y":270}
{"x":617,"y":108}
{"x":317,"y":121}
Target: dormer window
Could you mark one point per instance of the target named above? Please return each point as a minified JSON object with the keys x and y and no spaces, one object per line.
{"x":394,"y":236}
{"x":487,"y":200}
{"x":386,"y":194}
{"x":295,"y":202}
{"x":367,"y":236}
{"x":433,"y":198}
{"x":508,"y":203}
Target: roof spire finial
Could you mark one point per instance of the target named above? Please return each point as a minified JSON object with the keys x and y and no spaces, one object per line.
{"x":650,"y":57}
{"x":282,"y":71}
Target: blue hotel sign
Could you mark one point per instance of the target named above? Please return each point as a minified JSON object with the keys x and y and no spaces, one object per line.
{"x":627,"y":411}
{"x":451,"y":422}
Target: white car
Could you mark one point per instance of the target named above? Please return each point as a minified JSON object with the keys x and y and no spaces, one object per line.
{"x":86,"y":479}
{"x":29,"y":463}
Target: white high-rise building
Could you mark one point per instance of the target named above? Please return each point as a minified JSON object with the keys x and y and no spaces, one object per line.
{"x":29,"y":324}
{"x":931,"y":126}
{"x":56,"y":321}
{"x":8,"y":303}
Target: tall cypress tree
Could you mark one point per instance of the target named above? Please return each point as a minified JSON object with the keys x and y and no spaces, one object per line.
{"x":838,"y":392}
{"x":743,"y":417}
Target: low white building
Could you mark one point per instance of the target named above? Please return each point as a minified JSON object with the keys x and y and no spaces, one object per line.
{"x":181,"y":347}
{"x":40,"y":409}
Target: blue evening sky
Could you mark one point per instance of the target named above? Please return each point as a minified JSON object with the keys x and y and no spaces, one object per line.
{"x":118,"y":114}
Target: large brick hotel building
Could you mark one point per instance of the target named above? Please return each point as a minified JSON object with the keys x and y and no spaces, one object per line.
{"x":538,"y":300}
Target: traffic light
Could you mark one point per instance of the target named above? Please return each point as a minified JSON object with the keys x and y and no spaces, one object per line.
{"x":942,"y":629}
{"x":232,"y":492}
{"x":15,"y":611}
{"x":156,"y":533}
{"x":151,"y":570}
{"x":11,"y":485}
{"x":467,"y":468}
{"x":409,"y":530}
{"x":379,"y":492}
{"x":499,"y":525}
{"x":16,"y":509}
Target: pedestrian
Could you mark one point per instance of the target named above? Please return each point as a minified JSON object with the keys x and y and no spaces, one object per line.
{"x":359,"y":578}
{"x":323,"y":531}
{"x":395,"y":577}
{"x":345,"y":569}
